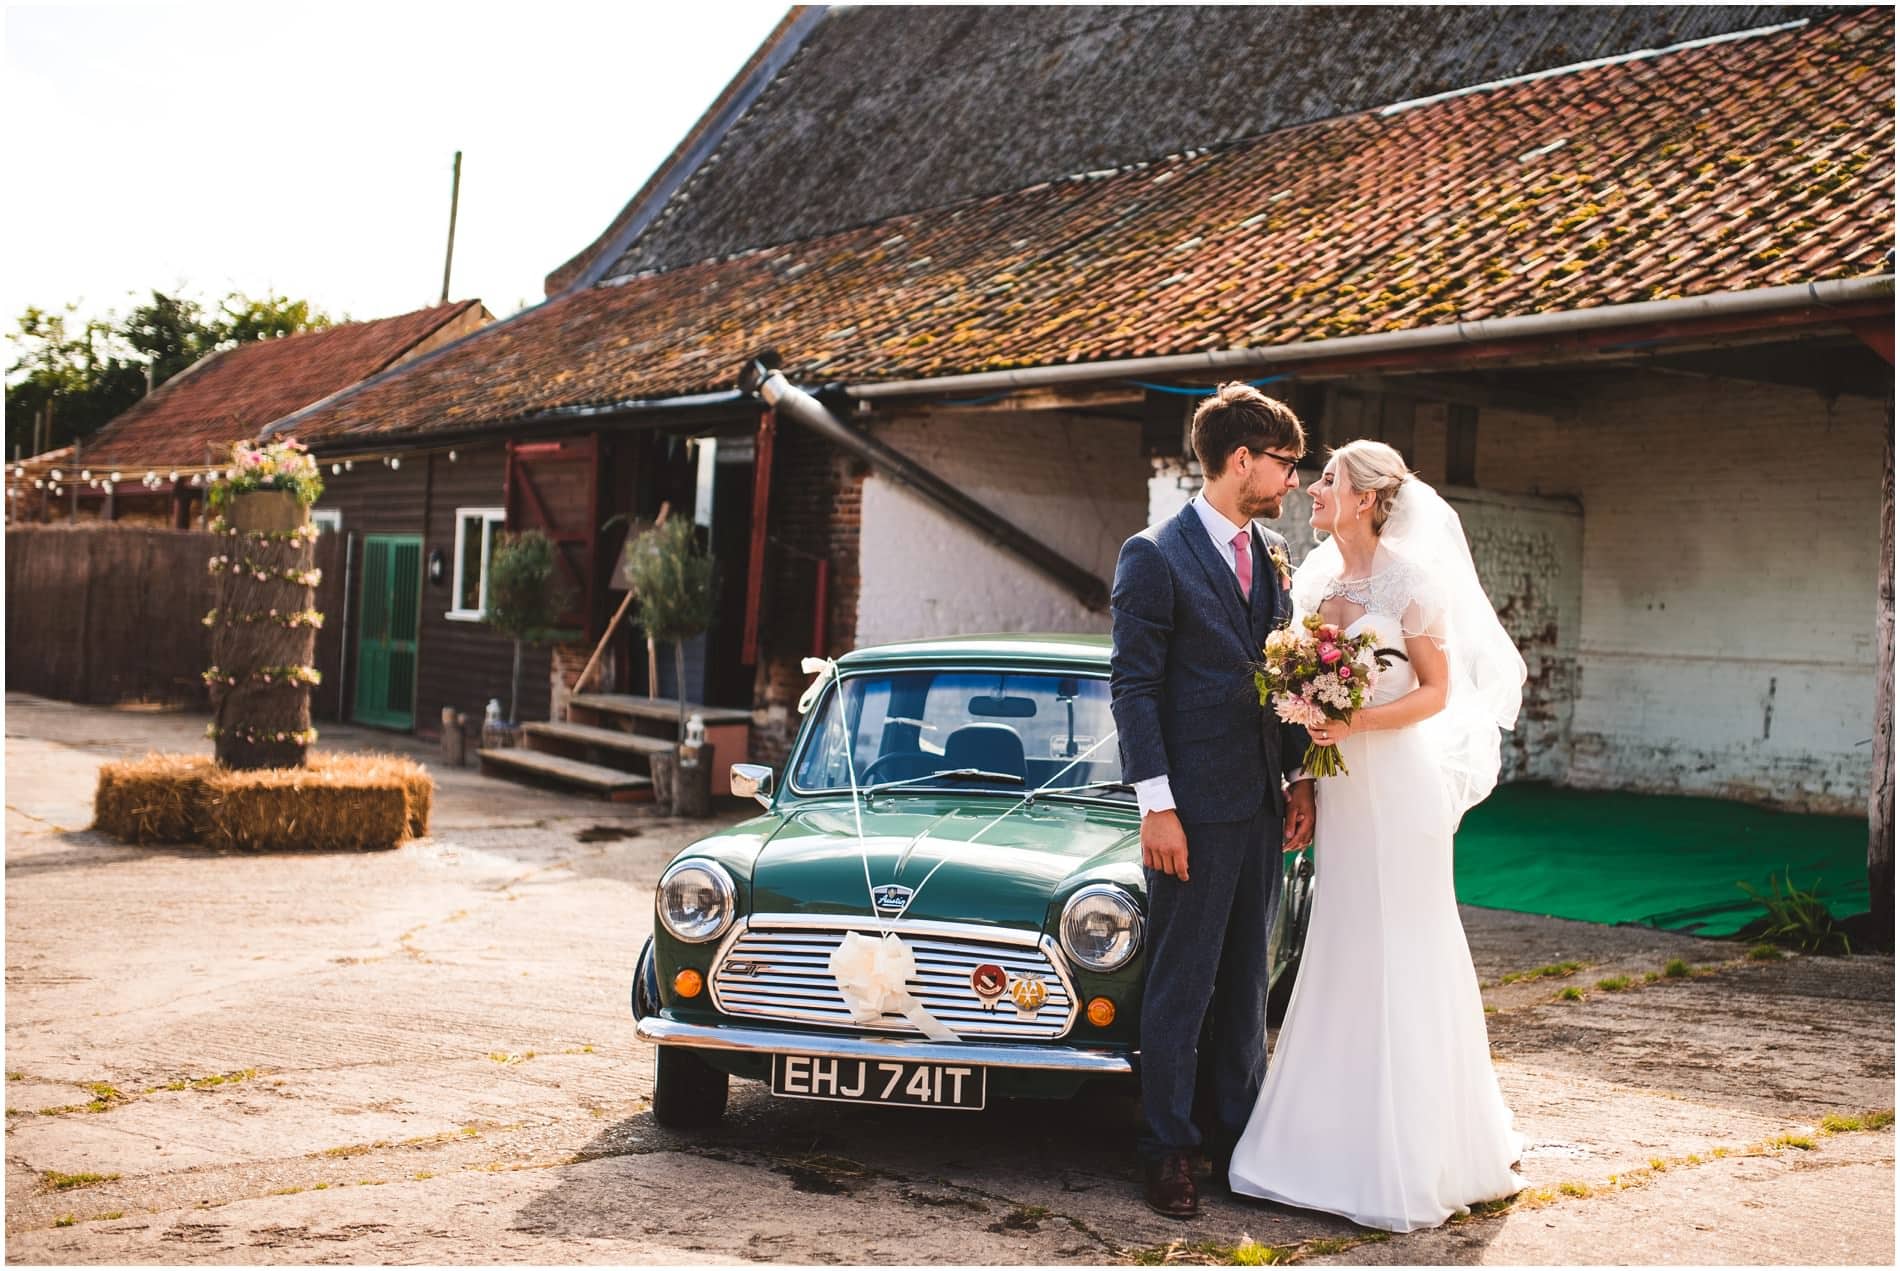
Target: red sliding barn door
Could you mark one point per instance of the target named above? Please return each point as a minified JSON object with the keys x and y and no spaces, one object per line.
{"x":554,"y":487}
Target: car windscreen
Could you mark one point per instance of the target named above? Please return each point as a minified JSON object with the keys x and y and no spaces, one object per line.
{"x":1023,"y":730}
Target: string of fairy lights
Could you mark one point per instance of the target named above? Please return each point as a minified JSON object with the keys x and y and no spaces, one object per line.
{"x":58,"y":479}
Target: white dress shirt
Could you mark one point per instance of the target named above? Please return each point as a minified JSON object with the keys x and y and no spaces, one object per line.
{"x":1155,"y":794}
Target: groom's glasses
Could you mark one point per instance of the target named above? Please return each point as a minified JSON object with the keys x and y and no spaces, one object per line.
{"x":1290,"y":464}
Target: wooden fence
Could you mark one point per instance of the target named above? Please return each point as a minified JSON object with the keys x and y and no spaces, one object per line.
{"x":105,"y":614}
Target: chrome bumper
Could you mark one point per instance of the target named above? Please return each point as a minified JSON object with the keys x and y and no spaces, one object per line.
{"x":760,"y":1041}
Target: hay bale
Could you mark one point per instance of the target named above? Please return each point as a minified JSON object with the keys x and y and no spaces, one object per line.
{"x":341,"y":802}
{"x":156,"y":799}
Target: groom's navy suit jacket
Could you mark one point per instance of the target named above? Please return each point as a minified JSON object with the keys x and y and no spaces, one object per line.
{"x":1180,"y":679}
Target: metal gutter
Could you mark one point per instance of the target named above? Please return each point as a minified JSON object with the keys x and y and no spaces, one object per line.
{"x":1483,"y":331}
{"x":792,"y":402}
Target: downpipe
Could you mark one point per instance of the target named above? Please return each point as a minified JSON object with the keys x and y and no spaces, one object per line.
{"x":794,"y":403}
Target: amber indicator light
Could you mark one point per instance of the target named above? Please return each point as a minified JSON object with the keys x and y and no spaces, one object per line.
{"x":1101,"y":1012}
{"x":689,"y":982}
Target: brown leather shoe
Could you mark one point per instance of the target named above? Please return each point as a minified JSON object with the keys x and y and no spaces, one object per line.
{"x":1170,"y":1186}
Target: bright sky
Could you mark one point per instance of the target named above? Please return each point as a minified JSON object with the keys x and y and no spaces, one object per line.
{"x":306,"y":148}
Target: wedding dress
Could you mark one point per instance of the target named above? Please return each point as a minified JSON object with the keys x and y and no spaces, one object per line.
{"x":1380,"y":1103}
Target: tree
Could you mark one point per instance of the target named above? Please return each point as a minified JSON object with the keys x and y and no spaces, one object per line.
{"x":672,"y":579}
{"x":89,"y":372}
{"x":524,"y":600}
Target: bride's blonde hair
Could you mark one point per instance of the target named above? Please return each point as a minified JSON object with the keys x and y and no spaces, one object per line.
{"x":1374,"y":466}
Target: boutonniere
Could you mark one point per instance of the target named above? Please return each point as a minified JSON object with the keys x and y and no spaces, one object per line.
{"x":1281,"y":565}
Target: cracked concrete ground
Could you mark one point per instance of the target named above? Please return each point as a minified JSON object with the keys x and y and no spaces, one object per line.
{"x":426,"y":1055}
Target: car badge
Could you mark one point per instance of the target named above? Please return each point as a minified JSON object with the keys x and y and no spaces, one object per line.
{"x":747,"y":968}
{"x":1029,"y":993}
{"x":989,"y":983}
{"x":891,"y":898}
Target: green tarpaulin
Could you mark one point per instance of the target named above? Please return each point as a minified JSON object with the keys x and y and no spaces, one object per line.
{"x":1609,"y":857}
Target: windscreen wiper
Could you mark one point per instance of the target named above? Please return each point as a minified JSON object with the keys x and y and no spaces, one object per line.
{"x":972,"y":774}
{"x":1102,"y":787}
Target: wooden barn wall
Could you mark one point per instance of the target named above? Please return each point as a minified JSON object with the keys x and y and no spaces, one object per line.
{"x":464,"y":664}
{"x":460,"y":664}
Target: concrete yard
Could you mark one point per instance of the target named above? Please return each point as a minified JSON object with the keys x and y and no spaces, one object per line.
{"x":426,"y":1055}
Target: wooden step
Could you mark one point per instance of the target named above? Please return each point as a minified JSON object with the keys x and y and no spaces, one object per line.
{"x":664,"y":709}
{"x":589,"y":735}
{"x":611,"y":783}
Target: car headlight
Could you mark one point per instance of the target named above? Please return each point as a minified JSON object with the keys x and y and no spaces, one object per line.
{"x":697,"y":900}
{"x":1101,"y":928}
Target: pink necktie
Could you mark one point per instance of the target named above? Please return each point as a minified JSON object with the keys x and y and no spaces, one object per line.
{"x":1243,"y":562}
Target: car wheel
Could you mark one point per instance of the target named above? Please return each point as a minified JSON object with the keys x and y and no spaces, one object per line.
{"x":688,"y":1092}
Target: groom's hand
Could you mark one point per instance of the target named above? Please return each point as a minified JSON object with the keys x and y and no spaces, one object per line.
{"x":1164,"y":844}
{"x":1300,"y":817}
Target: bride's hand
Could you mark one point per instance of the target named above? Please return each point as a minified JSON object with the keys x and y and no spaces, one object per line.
{"x":1332,"y":732}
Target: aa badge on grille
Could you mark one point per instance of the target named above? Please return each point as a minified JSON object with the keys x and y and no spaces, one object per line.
{"x":1029,"y":993}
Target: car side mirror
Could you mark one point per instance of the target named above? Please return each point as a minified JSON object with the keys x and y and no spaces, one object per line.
{"x":752,"y":781}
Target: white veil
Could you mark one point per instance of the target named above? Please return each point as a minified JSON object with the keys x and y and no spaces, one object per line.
{"x":1448,"y":603}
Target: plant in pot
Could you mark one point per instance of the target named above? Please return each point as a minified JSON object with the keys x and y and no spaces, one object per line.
{"x":525,"y":601}
{"x":264,"y":628}
{"x":672,"y":577}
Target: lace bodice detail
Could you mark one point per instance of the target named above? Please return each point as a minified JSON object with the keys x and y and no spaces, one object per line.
{"x":1388,"y":592}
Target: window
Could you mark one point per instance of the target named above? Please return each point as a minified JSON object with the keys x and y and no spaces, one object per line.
{"x":1461,"y":445}
{"x":327,"y":520}
{"x":475,"y":531}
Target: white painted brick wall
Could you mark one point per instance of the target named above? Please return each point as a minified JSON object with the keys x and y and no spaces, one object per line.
{"x":1731,"y":544}
{"x":1077,"y":484}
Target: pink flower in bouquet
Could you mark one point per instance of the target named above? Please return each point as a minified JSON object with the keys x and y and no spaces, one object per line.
{"x":1345,"y":672}
{"x":1328,"y":633}
{"x":1329,"y":653}
{"x":1298,"y":710}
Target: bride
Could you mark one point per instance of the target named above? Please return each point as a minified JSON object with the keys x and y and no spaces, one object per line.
{"x":1380,"y":1103}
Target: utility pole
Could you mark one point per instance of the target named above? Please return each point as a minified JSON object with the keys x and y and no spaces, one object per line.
{"x":455,"y":197}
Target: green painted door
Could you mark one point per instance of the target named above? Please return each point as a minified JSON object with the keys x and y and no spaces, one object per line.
{"x":386,"y":644}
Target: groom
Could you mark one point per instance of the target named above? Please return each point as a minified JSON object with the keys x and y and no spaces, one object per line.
{"x":1192,"y":604}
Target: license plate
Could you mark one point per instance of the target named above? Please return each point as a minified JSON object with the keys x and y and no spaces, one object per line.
{"x":898,"y":1082}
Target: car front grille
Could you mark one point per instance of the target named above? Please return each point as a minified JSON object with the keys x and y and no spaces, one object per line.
{"x":781,"y":972}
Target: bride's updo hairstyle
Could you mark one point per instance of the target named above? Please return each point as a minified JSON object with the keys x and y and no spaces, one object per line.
{"x":1374,"y":466}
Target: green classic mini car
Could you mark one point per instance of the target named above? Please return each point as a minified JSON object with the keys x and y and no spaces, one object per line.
{"x":941,"y":904}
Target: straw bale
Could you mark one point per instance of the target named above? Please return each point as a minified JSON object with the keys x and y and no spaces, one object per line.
{"x":156,"y":799}
{"x":341,"y":802}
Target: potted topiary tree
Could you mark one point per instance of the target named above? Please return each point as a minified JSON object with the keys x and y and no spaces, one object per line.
{"x":672,"y":579}
{"x":264,"y":629}
{"x":525,"y":600}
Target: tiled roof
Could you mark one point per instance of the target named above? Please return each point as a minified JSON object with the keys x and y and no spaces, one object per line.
{"x":1732,"y":166}
{"x":193,"y":418}
{"x":889,"y":109}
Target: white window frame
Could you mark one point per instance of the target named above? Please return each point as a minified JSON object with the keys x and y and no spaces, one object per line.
{"x":327,"y":520}
{"x":493,"y":521}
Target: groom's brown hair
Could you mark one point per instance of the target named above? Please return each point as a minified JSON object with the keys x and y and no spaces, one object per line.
{"x":1241,"y":415}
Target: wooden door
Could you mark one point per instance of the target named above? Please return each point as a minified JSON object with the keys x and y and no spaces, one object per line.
{"x":391,"y":603}
{"x":554,"y":487}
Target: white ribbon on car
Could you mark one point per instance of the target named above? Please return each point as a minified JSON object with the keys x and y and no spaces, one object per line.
{"x":873,"y":974}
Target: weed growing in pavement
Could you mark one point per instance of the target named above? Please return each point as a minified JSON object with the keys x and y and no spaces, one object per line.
{"x":66,"y":1182}
{"x":1614,"y":983}
{"x":1800,"y":1141}
{"x":1676,"y":969}
{"x":284,"y":1191}
{"x":1848,"y":1123}
{"x":421,"y":1174}
{"x":1796,"y":917}
{"x":1576,"y":1189}
{"x":65,"y":1220}
{"x":1571,"y":994}
{"x":15,"y":1076}
{"x":349,"y":1149}
{"x":117,"y":1213}
{"x":62,"y":1108}
{"x":507,"y":1057}
{"x":1555,"y":971}
{"x":1765,"y":953}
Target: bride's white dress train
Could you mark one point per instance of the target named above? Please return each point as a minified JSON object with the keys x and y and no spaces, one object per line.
{"x":1380,"y":1103}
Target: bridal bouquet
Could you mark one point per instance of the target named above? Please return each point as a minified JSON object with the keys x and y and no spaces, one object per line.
{"x":1314,"y":674}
